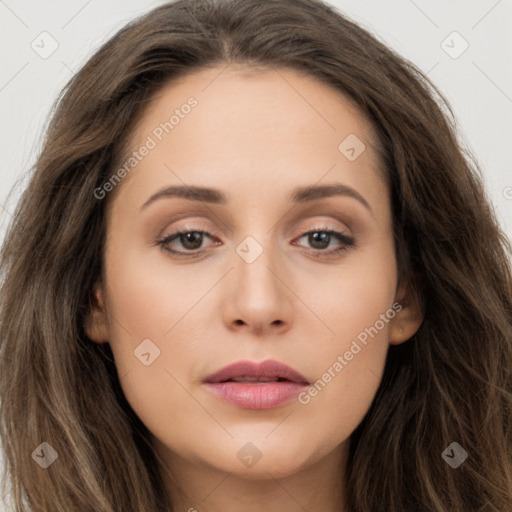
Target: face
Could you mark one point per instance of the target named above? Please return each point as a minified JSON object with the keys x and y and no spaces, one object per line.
{"x":265,"y":269}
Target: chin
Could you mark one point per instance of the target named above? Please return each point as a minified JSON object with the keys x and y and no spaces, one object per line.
{"x":265,"y":458}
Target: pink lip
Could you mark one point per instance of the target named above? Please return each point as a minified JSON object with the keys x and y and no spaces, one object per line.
{"x":257,"y":394}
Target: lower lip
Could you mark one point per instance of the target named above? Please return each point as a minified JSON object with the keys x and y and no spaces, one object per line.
{"x":265,"y":395}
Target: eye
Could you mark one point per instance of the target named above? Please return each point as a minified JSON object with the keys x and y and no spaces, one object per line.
{"x":191,"y":240}
{"x":320,"y":239}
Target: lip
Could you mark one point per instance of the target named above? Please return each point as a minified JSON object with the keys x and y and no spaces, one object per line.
{"x":256,"y":394}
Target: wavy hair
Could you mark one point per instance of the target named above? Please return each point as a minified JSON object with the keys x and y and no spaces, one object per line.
{"x":450,"y":382}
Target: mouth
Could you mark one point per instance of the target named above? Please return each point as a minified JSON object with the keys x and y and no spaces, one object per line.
{"x":250,"y":385}
{"x":249,"y":371}
{"x":256,"y":380}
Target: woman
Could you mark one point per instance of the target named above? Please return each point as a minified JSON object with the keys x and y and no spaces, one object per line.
{"x":167,"y":340}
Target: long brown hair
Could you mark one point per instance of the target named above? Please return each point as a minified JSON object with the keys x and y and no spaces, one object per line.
{"x":450,"y":383}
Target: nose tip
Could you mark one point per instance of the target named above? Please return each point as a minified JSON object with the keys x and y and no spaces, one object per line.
{"x":258,"y":297}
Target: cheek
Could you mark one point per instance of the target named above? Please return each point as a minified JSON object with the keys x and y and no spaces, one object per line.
{"x":153,"y":317}
{"x":355,"y":295}
{"x":348,"y":364}
{"x":336,"y":402}
{"x":151,"y":300}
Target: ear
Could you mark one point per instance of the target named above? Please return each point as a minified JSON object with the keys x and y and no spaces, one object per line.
{"x":96,"y":325}
{"x":408,"y":318}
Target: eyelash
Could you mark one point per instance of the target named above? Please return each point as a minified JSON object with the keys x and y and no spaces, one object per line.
{"x":347,"y":242}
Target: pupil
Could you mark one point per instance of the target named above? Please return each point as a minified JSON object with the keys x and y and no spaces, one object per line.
{"x":193,"y":237}
{"x":319,"y":238}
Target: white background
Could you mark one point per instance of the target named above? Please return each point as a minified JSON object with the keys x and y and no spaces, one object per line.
{"x":478,"y":84}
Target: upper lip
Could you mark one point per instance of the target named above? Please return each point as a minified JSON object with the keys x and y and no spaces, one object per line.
{"x":266,"y":369}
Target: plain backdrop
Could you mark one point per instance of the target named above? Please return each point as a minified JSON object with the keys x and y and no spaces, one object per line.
{"x":465,"y":46}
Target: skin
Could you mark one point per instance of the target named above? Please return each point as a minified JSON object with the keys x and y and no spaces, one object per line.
{"x":255,"y":135}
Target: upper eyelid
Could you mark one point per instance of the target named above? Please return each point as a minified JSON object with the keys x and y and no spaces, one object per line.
{"x":340,"y":218}
{"x":208,"y":231}
{"x":330,"y":223}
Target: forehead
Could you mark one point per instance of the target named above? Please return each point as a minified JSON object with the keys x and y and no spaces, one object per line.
{"x":253,"y":128}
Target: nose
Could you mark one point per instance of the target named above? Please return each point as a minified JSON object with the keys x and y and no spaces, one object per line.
{"x":259,"y":298}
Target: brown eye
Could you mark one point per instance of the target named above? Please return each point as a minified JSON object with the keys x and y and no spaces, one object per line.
{"x":320,"y":239}
{"x":190,"y":241}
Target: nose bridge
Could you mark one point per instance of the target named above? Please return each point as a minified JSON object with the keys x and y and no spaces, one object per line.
{"x":259,"y":297}
{"x":258,"y":258}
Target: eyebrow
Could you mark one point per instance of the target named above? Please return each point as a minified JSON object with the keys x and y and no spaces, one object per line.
{"x":298,"y":195}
